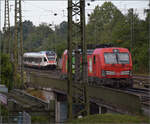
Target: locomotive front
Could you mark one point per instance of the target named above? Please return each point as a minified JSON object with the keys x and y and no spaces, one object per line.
{"x":116,"y":67}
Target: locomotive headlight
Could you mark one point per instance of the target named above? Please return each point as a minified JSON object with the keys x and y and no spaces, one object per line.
{"x":110,"y":73}
{"x":125,"y":73}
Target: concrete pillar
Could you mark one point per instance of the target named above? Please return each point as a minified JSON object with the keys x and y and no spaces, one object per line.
{"x":60,"y":108}
{"x":102,"y":110}
{"x":57,"y":112}
{"x":94,"y":108}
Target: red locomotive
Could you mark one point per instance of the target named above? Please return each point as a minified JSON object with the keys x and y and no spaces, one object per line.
{"x":106,"y":66}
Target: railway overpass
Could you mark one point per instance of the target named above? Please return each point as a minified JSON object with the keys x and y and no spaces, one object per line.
{"x":113,"y":99}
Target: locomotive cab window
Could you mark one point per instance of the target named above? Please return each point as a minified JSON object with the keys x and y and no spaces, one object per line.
{"x":116,"y":58}
{"x":123,"y":58}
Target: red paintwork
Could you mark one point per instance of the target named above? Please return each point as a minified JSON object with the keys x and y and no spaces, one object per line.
{"x":52,"y":61}
{"x":64,"y":62}
{"x":101,"y":65}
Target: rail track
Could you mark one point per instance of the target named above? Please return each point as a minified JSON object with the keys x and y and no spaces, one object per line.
{"x":144,"y":94}
{"x":56,"y":73}
{"x":140,"y":81}
{"x":51,"y":70}
{"x":135,"y":77}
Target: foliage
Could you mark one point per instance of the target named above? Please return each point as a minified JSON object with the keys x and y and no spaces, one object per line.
{"x":6,"y":71}
{"x":108,"y":25}
{"x":111,"y":118}
{"x":4,"y":110}
{"x":102,"y":21}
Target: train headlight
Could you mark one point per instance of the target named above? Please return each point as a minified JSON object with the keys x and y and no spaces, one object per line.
{"x":110,"y":73}
{"x":125,"y":73}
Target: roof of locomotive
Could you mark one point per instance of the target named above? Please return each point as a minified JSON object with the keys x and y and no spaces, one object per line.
{"x":110,"y":49}
{"x":97,"y":50}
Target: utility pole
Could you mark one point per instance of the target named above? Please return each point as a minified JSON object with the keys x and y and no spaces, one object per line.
{"x":0,"y":45}
{"x":84,"y":55}
{"x":149,"y":33}
{"x":18,"y":40}
{"x":6,"y":42}
{"x":77,"y":8}
{"x":131,"y":30}
{"x":21,"y":43}
{"x":69,"y":83}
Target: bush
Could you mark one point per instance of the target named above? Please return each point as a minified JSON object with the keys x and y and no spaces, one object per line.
{"x":6,"y":68}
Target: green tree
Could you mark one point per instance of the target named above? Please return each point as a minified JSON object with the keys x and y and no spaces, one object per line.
{"x":108,"y":24}
{"x":6,"y":71}
{"x":102,"y":22}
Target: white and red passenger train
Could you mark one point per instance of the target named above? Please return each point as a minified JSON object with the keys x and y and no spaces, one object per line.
{"x":42,"y":59}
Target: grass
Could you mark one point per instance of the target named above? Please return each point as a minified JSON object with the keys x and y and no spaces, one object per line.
{"x":40,"y":119}
{"x":111,"y":118}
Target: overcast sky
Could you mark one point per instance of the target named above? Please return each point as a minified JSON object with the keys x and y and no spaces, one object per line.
{"x":43,"y":11}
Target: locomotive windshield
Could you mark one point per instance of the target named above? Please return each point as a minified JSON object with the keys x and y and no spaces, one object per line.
{"x":116,"y":58}
{"x":123,"y":58}
{"x":110,"y":58}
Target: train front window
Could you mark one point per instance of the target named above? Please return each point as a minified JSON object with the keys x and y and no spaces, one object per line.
{"x":116,"y":58}
{"x":51,"y":58}
{"x":110,"y":58}
{"x":123,"y":58}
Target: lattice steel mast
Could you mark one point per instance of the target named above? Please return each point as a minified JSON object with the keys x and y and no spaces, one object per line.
{"x":69,"y":83}
{"x":77,"y":8}
{"x":132,"y":31}
{"x":6,"y":42}
{"x":18,"y":40}
{"x":84,"y":56}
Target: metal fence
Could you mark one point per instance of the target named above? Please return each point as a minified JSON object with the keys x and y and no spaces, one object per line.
{"x":21,"y":118}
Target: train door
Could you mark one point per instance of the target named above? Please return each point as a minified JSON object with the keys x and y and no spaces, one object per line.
{"x":98,"y":66}
{"x":43,"y":61}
